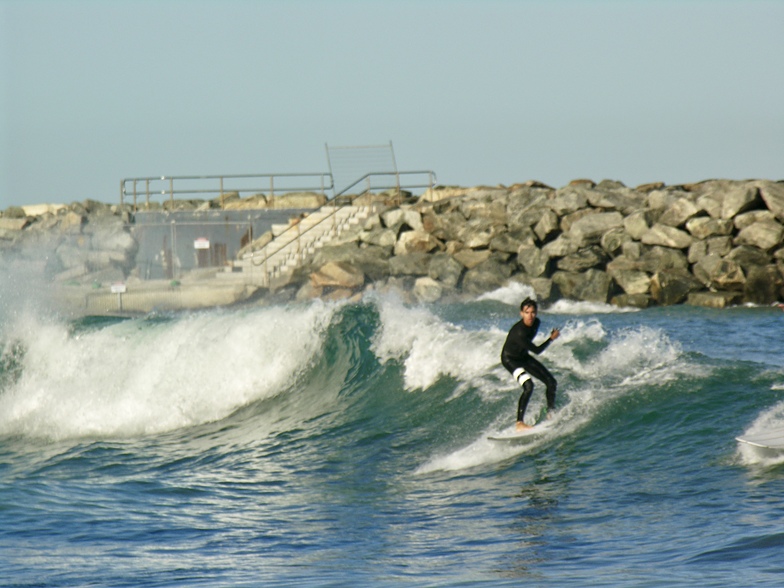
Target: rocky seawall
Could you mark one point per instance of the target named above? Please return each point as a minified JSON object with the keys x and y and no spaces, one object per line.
{"x":713,"y":243}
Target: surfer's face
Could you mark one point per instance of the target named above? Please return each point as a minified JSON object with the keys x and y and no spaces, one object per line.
{"x":529,"y":315}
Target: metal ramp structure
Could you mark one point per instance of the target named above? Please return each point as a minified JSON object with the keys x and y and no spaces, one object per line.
{"x":362,"y":180}
{"x":295,"y":244}
{"x":374,"y":163}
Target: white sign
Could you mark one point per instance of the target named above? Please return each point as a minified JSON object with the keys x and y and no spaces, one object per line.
{"x":201,"y":243}
{"x":118,"y":288}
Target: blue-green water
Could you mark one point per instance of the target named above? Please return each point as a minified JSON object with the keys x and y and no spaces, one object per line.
{"x":345,"y":444}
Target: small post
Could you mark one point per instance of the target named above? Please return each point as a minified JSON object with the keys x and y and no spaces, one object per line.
{"x":221,"y":192}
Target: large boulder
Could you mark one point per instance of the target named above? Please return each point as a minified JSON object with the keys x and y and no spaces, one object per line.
{"x":416,"y":240}
{"x":714,"y":299}
{"x":511,"y":241}
{"x":746,"y":219}
{"x":491,"y":207}
{"x":710,"y":203}
{"x":438,"y":193}
{"x":12,"y":224}
{"x":409,"y":264}
{"x":117,"y":239}
{"x":470,"y":258}
{"x":547,"y":227}
{"x":703,"y":227}
{"x":589,"y":229}
{"x":582,"y":260}
{"x":526,"y":209}
{"x":427,"y":289}
{"x":560,"y":247}
{"x":765,"y":235}
{"x":533,"y":260}
{"x":396,"y":218}
{"x":297,"y":200}
{"x":748,"y":257}
{"x":618,"y":198}
{"x":567,"y":201}
{"x":673,"y":286}
{"x":637,"y":223}
{"x":446,"y":269}
{"x":372,"y":261}
{"x":658,"y":258}
{"x":632,"y":281}
{"x":679,"y":212}
{"x":592,"y":285}
{"x":613,"y":240}
{"x":667,"y":236}
{"x":340,"y":252}
{"x":719,"y":273}
{"x":772,"y":194}
{"x":487,"y":276}
{"x":383,"y":237}
{"x":720,"y":246}
{"x":596,"y":286}
{"x":632,"y":300}
{"x":740,"y":198}
{"x":337,"y":274}
{"x":446,"y":226}
{"x":764,"y":285}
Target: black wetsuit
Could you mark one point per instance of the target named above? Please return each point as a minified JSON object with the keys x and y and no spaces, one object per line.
{"x":517,"y":360}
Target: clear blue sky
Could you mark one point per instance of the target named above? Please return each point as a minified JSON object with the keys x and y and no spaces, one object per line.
{"x":480,"y":91}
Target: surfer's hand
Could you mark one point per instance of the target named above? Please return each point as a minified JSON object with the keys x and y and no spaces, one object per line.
{"x":554,"y":334}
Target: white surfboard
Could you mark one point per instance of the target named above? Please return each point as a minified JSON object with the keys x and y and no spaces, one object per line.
{"x":516,"y":437}
{"x":773,"y":439}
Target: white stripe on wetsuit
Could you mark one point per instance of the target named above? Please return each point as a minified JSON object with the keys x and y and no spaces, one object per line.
{"x":521,"y":376}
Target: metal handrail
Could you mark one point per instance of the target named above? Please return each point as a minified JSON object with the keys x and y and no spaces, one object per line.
{"x":325,"y":183}
{"x":339,"y":203}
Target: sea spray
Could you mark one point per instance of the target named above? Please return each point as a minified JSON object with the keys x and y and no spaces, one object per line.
{"x":513,"y":294}
{"x":141,"y":377}
{"x":430,"y":347}
{"x":595,"y":368}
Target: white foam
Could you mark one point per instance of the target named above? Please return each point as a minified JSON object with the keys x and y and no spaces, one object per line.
{"x":23,"y":289}
{"x":583,"y":307}
{"x":431,"y":348}
{"x":139,"y":377}
{"x":513,"y":294}
{"x":635,"y":351}
{"x":616,"y":364}
{"x":482,"y":451}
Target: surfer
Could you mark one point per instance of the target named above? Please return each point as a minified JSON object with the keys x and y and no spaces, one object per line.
{"x":516,"y":359}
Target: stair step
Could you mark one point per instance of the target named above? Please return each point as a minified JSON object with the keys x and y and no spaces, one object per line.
{"x":293,"y":244}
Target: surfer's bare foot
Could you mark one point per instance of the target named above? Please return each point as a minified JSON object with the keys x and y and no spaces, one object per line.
{"x":521,"y":426}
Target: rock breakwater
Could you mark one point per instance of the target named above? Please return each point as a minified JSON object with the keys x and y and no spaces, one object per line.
{"x":713,"y":243}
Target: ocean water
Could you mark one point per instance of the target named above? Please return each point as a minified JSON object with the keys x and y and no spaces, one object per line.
{"x":336,"y":444}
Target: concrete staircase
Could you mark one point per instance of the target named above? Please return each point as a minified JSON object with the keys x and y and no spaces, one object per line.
{"x":295,"y":244}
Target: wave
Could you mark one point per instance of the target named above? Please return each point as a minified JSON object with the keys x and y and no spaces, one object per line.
{"x":148,"y":376}
{"x":319,"y":372}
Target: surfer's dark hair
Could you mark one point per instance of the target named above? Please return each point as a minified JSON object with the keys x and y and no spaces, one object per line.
{"x":528,"y":302}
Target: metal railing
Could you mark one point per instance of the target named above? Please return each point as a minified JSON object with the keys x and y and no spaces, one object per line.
{"x":219,"y":186}
{"x":341,"y":200}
